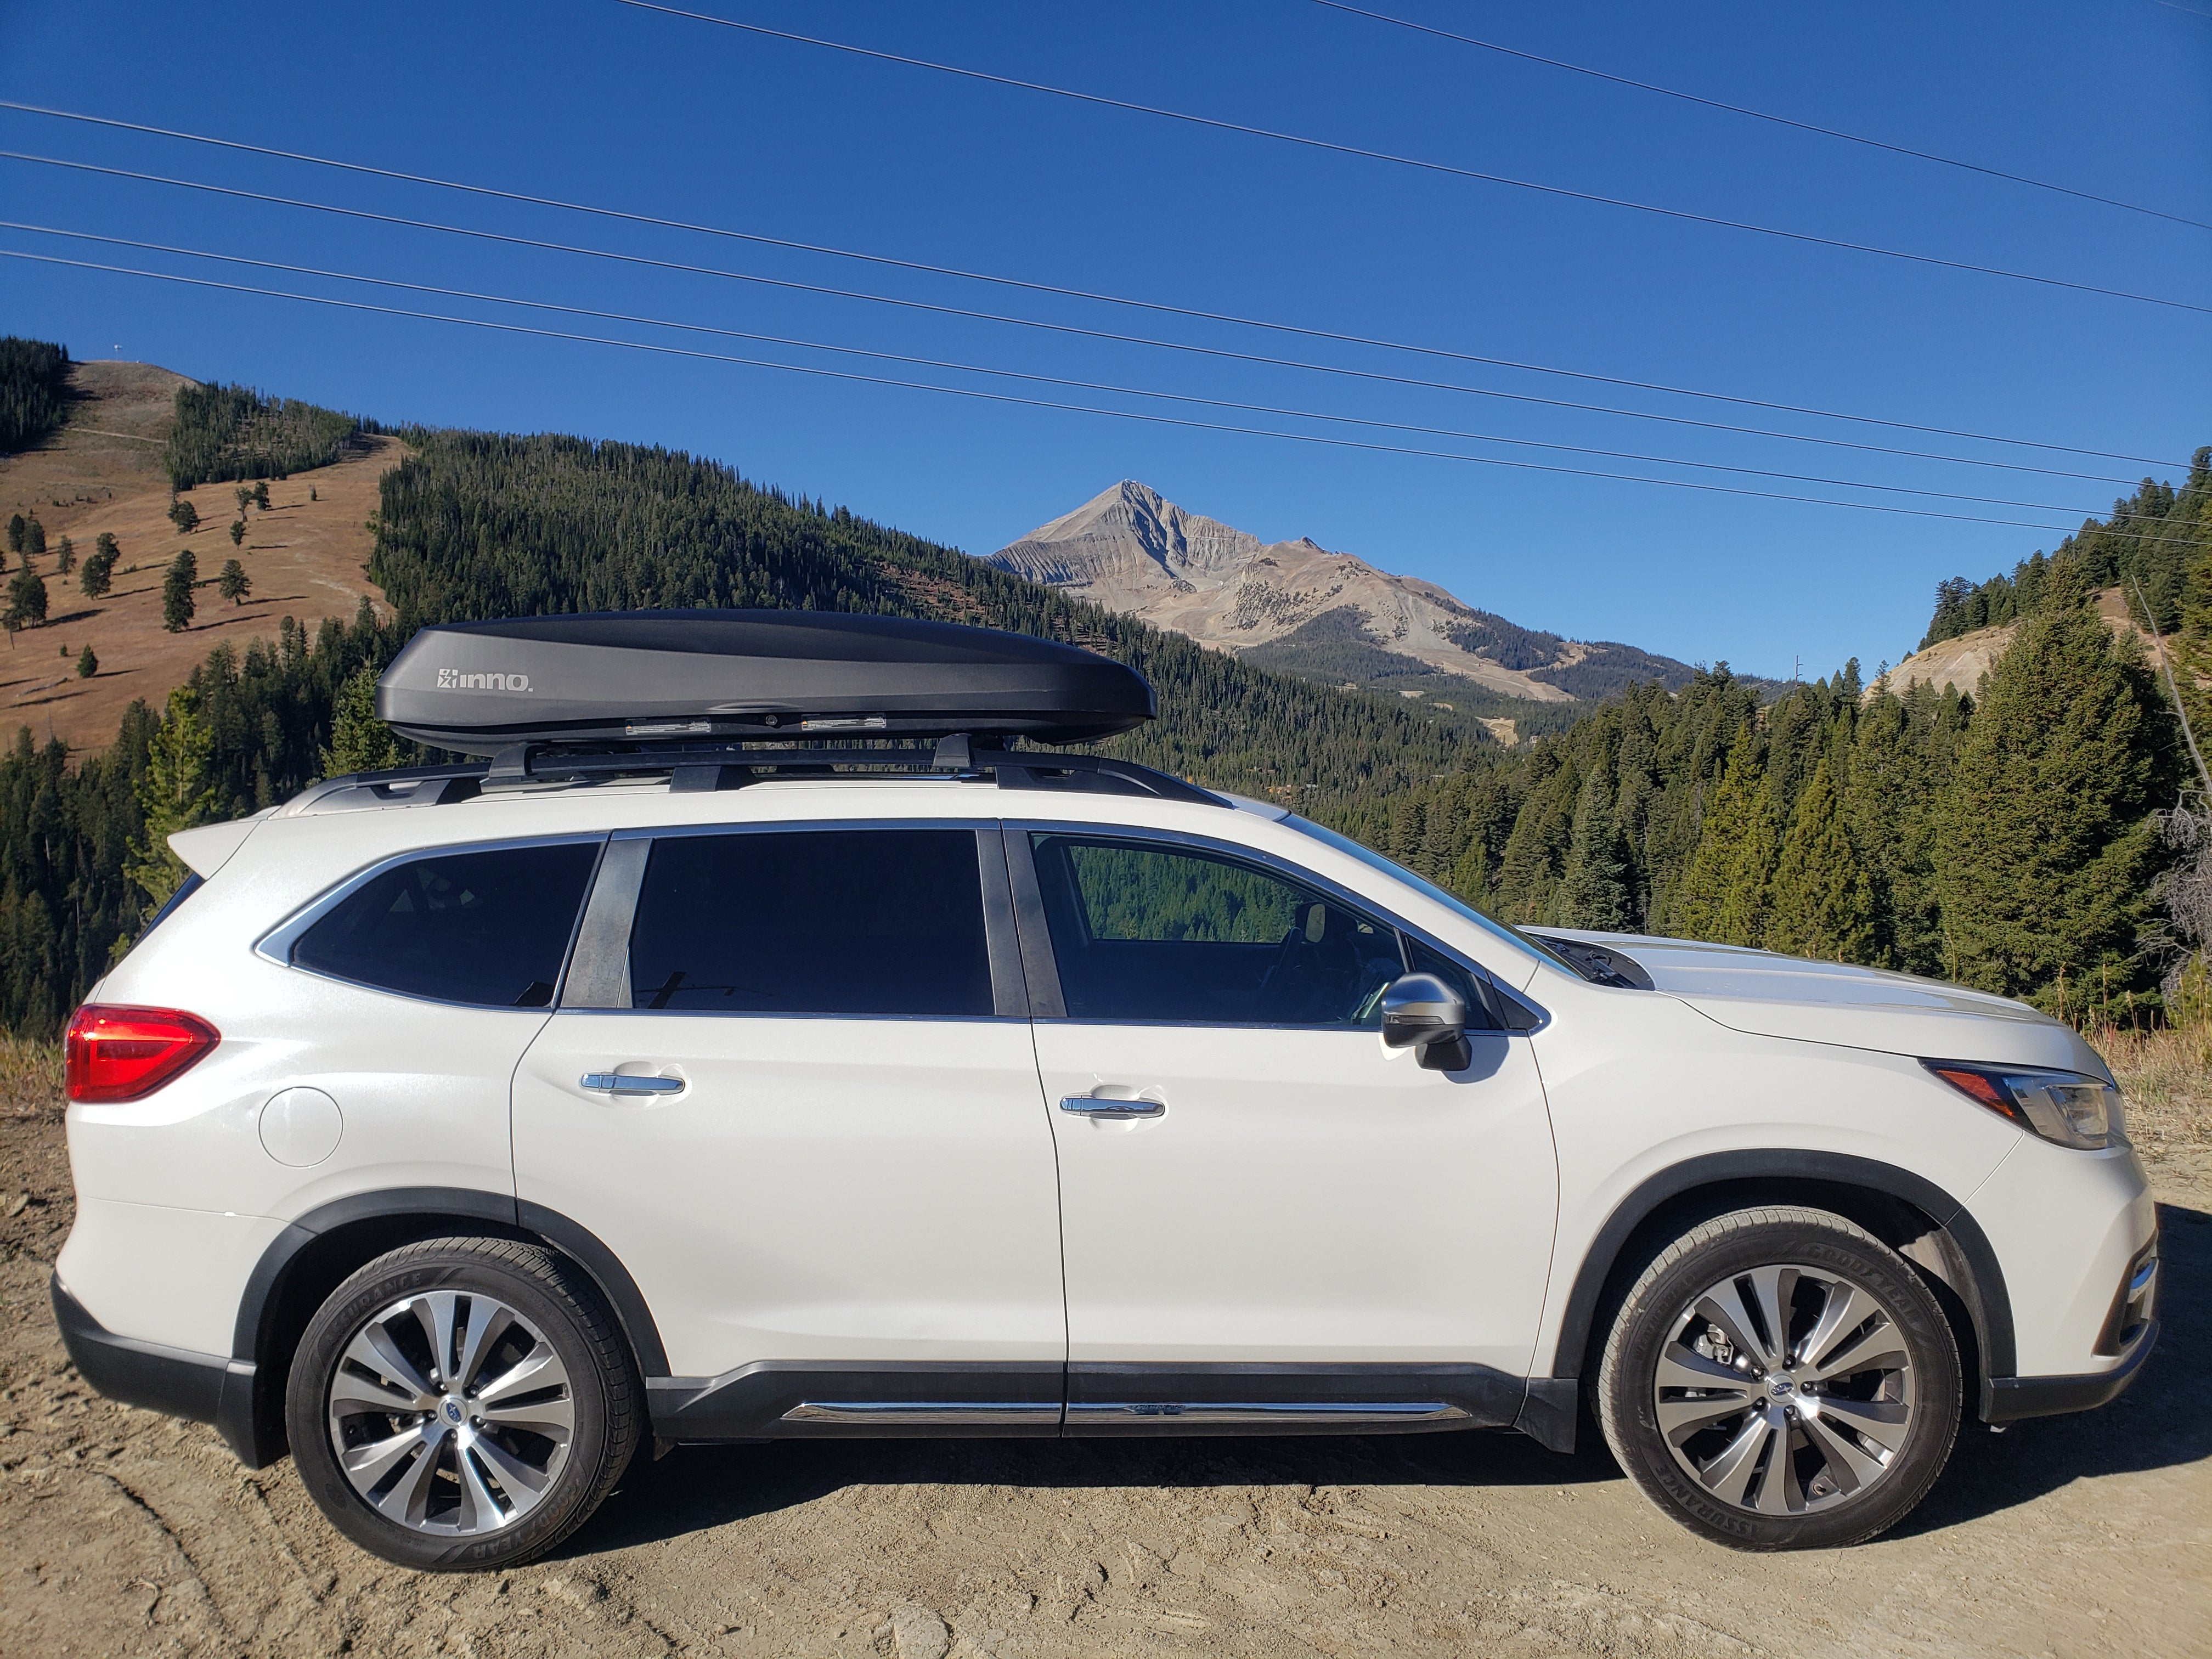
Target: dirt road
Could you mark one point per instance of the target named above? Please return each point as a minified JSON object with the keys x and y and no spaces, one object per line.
{"x":122,"y":1533}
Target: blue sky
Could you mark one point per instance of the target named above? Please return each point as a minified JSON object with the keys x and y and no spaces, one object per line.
{"x":595,"y":102}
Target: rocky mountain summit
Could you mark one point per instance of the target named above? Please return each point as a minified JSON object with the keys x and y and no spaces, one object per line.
{"x":1300,"y":608}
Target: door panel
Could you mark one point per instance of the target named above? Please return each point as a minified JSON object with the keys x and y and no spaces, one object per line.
{"x":844,"y":1160}
{"x":1276,"y":1187}
{"x":819,"y":1188}
{"x":1307,"y":1196}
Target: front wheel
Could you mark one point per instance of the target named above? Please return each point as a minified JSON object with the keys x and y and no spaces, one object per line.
{"x":462,"y":1403}
{"x":1778,"y":1378}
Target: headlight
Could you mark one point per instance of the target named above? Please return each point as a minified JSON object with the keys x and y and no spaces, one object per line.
{"x":2062,"y":1107}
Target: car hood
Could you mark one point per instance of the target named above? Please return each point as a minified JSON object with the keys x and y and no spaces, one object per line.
{"x":1769,"y":995}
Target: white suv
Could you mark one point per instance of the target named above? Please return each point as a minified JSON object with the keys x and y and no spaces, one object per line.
{"x":463,"y":1130}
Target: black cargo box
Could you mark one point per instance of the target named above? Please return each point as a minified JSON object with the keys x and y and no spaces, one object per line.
{"x":696,"y":677}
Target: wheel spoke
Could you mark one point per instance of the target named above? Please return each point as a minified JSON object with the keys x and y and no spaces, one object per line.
{"x":435,"y":1312}
{"x":1845,"y":1312}
{"x":365,"y":1466}
{"x":1880,"y":1350}
{"x":522,"y":1484}
{"x":1723,"y":1305}
{"x":480,"y":1509}
{"x":409,"y":1500}
{"x":1848,"y":1466}
{"x":1724,"y":1475}
{"x":1776,"y":1490}
{"x":1885,"y":1422}
{"x":352,"y":1390}
{"x":374,"y":1350}
{"x":1770,"y":1289}
{"x":540,"y":1368}
{"x":553,"y":1418}
{"x":488,"y":1320}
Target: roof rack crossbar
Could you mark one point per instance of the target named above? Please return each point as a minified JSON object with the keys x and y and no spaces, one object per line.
{"x":718,"y":767}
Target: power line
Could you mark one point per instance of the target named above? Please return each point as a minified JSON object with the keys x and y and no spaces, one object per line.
{"x":1040,"y":402}
{"x":1018,"y":374}
{"x":1760,"y":115}
{"x":1417,"y":162}
{"x":1056,"y":328}
{"x":1445,"y":353}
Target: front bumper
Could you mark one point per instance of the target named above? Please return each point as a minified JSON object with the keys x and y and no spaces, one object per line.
{"x":201,"y":1388}
{"x":2009,"y":1398}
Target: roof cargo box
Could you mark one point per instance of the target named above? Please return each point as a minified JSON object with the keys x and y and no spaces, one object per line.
{"x":700,"y":676}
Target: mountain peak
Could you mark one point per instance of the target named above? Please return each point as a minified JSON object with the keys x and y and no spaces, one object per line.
{"x":1305,"y":608}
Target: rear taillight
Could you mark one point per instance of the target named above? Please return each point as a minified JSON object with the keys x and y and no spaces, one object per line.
{"x":124,"y":1053}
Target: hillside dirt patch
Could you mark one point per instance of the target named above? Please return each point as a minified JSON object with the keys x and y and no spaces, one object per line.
{"x":306,"y":558}
{"x":125,"y":1533}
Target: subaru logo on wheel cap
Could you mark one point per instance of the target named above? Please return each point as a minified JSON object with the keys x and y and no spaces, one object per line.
{"x":1779,"y":1386}
{"x":452,"y":1411}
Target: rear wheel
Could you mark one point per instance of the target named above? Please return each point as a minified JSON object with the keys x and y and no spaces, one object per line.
{"x":462,"y":1404}
{"x":1781,"y":1379}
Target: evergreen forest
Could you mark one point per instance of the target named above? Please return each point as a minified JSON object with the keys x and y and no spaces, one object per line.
{"x":34,"y":391}
{"x":2018,"y":836}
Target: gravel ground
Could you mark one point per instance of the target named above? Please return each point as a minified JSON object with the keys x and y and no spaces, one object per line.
{"x":125,"y":1533}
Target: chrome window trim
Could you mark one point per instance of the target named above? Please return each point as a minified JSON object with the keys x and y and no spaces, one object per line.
{"x":276,"y":945}
{"x":1296,"y":871}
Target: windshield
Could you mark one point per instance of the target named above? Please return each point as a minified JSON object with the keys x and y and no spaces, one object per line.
{"x":1397,"y":872}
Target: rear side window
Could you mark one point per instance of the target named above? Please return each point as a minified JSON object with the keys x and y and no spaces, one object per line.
{"x":858,"y":922}
{"x":488,"y":928}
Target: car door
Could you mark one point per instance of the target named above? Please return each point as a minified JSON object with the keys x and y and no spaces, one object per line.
{"x":1268,"y":1218}
{"x":790,"y":1086}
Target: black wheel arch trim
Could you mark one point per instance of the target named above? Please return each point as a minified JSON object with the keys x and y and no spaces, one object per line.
{"x":1981,"y":1286}
{"x":259,"y":1435}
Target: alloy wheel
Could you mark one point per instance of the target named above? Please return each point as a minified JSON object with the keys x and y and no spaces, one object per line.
{"x":451,"y":1414}
{"x":1785,"y":1390}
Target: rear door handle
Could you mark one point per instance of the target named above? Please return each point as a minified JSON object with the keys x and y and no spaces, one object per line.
{"x":620,"y":1083}
{"x":1098,"y":1106}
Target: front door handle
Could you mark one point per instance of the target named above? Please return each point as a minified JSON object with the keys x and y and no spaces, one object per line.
{"x":1098,"y":1106}
{"x":620,"y":1083}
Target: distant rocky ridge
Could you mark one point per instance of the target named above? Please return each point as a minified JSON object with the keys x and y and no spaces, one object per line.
{"x":1299,"y":608}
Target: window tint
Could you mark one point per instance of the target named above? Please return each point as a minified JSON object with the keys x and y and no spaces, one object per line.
{"x":819,"y":921}
{"x":1141,"y":931}
{"x":482,"y":928}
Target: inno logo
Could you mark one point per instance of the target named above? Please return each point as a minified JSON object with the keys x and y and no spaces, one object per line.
{"x":453,"y":679}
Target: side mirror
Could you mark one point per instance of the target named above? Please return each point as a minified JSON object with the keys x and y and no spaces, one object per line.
{"x":1423,"y":1013}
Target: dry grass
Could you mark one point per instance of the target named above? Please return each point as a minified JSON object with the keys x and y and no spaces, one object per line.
{"x":2167,"y":1079}
{"x":30,"y":1077}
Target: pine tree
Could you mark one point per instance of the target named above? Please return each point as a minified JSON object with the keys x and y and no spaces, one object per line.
{"x":16,"y":530}
{"x":184,"y":516}
{"x":244,"y":494}
{"x":2047,"y":851}
{"x":88,"y":665}
{"x":237,"y":532}
{"x":359,"y":741}
{"x":1745,"y":904}
{"x":35,"y":540}
{"x":261,"y":494}
{"x":1592,"y":891}
{"x":176,"y":793}
{"x":65,"y":558}
{"x":177,"y":582}
{"x":1699,"y":894}
{"x":232,"y":583}
{"x":1823,"y":904}
{"x":27,"y":600}
{"x":99,"y":572}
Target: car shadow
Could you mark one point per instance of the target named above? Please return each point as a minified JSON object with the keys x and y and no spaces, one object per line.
{"x":2154,"y":1425}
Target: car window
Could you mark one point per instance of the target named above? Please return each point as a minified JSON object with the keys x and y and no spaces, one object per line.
{"x":1142,"y":931}
{"x":860,"y":922}
{"x":489,"y":928}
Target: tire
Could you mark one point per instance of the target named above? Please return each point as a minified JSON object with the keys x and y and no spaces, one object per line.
{"x":1728,"y":1439}
{"x":487,"y":1457}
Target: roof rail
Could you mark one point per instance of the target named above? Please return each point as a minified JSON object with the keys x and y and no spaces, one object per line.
{"x":732,"y":766}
